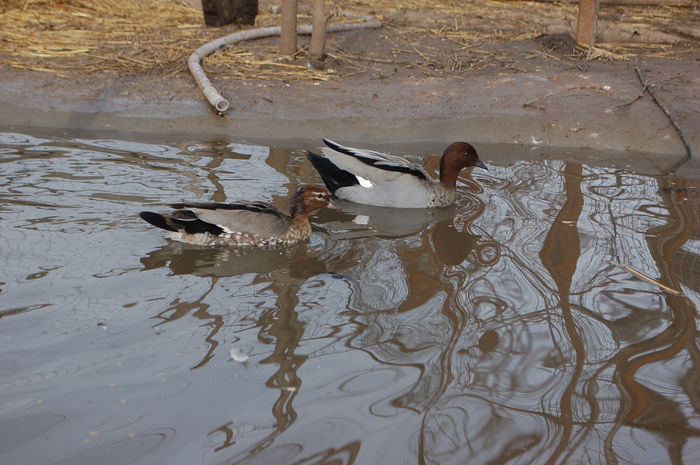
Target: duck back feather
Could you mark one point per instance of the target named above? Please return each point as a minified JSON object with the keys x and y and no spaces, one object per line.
{"x":243,"y":217}
{"x":382,"y":161}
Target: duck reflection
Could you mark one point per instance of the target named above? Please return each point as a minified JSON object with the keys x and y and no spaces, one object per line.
{"x":451,"y":243}
{"x":354,"y":220}
{"x":186,"y":259}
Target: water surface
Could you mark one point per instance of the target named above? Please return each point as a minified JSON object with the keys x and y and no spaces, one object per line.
{"x":497,"y":331}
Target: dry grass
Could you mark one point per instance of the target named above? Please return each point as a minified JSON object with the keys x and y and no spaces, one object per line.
{"x":157,"y":36}
{"x":89,"y":36}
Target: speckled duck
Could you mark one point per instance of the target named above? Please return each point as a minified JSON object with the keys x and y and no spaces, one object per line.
{"x":242,"y":224}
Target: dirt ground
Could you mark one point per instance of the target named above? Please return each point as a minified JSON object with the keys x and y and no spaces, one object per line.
{"x":487,"y":72}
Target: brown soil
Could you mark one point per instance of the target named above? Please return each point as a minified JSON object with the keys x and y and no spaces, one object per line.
{"x":488,"y":71}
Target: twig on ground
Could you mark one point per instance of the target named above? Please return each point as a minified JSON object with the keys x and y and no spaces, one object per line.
{"x":641,"y":93}
{"x":551,"y":94}
{"x":650,"y":90}
{"x":553,"y":57}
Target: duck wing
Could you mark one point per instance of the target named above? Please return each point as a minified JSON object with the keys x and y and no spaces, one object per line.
{"x":243,"y":217}
{"x":377,"y":167}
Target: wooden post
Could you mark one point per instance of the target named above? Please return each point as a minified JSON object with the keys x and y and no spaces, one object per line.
{"x":586,"y":22}
{"x":318,"y":34}
{"x":288,"y":26}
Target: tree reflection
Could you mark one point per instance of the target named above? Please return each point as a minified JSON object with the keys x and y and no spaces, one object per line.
{"x":523,"y":343}
{"x":512,"y":368}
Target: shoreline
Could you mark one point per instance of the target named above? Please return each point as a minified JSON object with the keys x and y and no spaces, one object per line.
{"x":568,"y":109}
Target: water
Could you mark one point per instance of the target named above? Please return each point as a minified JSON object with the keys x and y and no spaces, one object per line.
{"x":497,"y":331}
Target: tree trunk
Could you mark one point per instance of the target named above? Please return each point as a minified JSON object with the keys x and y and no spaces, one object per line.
{"x":222,"y":12}
{"x":318,"y":35}
{"x":288,"y":26}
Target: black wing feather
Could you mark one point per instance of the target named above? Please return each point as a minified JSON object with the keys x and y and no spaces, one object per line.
{"x":157,"y":220}
{"x":333,"y":177}
{"x":181,"y":220}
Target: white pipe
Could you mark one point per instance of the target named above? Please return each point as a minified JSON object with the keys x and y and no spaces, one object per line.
{"x":215,"y":98}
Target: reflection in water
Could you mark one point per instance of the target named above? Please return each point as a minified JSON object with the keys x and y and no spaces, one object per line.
{"x":495,"y":331}
{"x":559,"y":255}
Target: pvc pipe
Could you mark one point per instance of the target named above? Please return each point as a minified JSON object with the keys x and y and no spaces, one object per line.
{"x":215,"y":98}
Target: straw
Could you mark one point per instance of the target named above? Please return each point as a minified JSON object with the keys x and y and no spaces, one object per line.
{"x":130,"y":37}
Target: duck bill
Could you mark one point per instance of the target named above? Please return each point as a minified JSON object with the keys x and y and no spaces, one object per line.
{"x":481,"y":164}
{"x":333,"y":205}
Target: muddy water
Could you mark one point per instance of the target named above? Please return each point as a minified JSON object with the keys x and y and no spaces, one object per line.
{"x":497,"y":331}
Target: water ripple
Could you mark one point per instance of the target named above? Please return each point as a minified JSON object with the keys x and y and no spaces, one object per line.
{"x":495,"y":331}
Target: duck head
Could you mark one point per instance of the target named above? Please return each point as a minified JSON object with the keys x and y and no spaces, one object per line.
{"x":310,"y":198}
{"x":455,"y":157}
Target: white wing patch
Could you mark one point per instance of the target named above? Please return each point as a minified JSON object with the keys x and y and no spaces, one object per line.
{"x":364,"y":182}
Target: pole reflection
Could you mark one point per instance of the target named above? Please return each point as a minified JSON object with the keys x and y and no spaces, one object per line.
{"x":513,"y":339}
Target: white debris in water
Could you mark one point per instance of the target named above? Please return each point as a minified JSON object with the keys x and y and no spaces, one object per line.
{"x":361,"y":219}
{"x":535,"y":141}
{"x":237,"y":355}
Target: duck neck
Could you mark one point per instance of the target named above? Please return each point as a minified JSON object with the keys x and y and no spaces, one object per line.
{"x":300,"y":222}
{"x":448,"y":174}
{"x":299,"y":211}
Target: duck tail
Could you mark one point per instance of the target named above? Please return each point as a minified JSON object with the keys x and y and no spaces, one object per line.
{"x":157,"y":220}
{"x":181,"y":220}
{"x":333,"y":177}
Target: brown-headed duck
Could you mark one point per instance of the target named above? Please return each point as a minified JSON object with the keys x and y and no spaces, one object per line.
{"x":383,"y":180}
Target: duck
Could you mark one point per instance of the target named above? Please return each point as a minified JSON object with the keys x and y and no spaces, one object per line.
{"x":242,"y":224}
{"x":383,"y":180}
